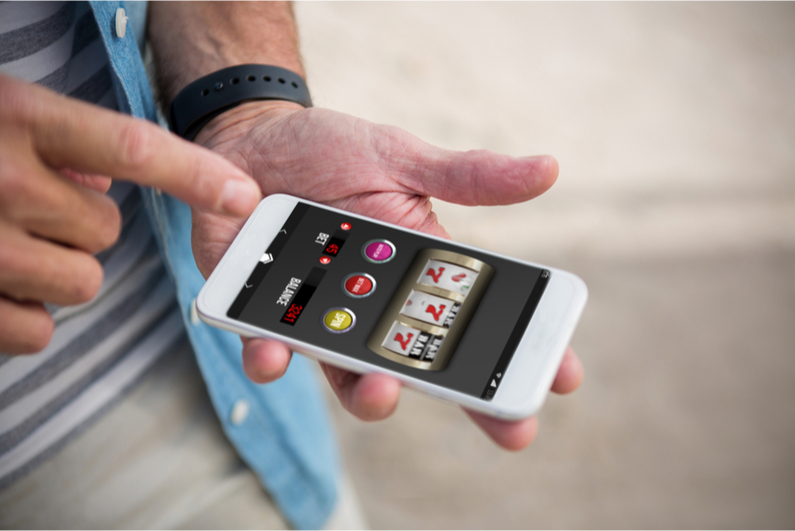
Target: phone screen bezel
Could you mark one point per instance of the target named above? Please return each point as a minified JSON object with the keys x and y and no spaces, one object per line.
{"x":534,"y":364}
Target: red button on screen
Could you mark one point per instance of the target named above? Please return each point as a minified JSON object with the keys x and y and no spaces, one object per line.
{"x":358,"y":285}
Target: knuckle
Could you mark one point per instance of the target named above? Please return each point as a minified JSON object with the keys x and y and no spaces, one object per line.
{"x":12,"y":261}
{"x":95,"y":221}
{"x":14,"y":102}
{"x":24,"y":328}
{"x":24,"y":193}
{"x":39,"y":333}
{"x":137,"y":145}
{"x":110,"y":233}
{"x":11,"y":183}
{"x":14,"y":183}
{"x":87,"y":281}
{"x":109,"y":228}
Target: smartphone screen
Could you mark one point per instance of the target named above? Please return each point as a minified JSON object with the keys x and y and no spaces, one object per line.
{"x":429,"y":309}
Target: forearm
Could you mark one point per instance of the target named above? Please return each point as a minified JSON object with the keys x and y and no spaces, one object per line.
{"x":193,"y":39}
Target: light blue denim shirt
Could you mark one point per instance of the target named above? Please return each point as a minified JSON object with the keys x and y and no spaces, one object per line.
{"x":286,"y":438}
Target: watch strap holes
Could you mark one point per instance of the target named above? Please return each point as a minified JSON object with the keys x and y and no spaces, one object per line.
{"x":204,"y":98}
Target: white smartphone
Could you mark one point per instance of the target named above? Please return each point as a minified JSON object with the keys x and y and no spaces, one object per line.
{"x":482,"y":330}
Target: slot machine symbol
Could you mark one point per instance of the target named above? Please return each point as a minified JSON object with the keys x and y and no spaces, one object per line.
{"x":412,"y":343}
{"x":447,"y":276}
{"x":427,"y":308}
{"x":430,"y":309}
{"x":401,"y":338}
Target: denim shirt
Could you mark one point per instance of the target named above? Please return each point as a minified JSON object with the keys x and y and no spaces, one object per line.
{"x":286,"y":438}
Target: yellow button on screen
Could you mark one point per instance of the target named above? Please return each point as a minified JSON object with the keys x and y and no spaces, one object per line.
{"x":339,"y":320}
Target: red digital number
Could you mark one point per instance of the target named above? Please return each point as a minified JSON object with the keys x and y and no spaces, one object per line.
{"x":293,"y":313}
{"x":332,"y":249}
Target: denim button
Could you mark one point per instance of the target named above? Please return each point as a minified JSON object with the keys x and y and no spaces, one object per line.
{"x":194,"y":313}
{"x":239,"y":412}
{"x":121,"y":23}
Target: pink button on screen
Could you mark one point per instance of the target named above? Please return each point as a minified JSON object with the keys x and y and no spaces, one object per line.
{"x":378,"y":251}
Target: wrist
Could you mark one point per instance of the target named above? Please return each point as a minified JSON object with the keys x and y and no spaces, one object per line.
{"x":237,"y":122}
{"x":210,"y":36}
{"x":211,"y":95}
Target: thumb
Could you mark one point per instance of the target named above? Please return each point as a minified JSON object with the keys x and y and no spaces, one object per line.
{"x":477,"y":177}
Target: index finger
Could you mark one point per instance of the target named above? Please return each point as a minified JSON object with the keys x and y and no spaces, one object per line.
{"x":83,"y":137}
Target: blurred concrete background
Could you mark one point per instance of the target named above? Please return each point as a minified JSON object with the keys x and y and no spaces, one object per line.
{"x":674,"y":126}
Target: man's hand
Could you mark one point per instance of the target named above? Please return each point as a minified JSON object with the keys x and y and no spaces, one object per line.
{"x":374,"y":170}
{"x":57,"y":156}
{"x":382,"y":172}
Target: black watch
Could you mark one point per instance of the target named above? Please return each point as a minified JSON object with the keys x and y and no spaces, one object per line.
{"x":209,"y":96}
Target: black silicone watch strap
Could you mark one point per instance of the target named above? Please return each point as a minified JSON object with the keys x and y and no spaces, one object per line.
{"x":209,"y":96}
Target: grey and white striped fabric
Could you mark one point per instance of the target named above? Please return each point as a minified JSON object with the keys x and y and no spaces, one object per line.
{"x":99,"y":350}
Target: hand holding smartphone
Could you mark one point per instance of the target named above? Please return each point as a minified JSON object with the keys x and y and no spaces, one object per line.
{"x":485,"y":331}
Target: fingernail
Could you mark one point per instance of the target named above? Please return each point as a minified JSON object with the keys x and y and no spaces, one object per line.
{"x":545,"y":165}
{"x":539,"y":159}
{"x":240,"y":197}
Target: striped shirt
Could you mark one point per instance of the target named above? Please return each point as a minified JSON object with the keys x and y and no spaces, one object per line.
{"x":100,"y":349}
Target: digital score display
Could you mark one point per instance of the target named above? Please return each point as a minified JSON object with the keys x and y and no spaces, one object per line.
{"x":293,"y":314}
{"x":334,"y":245}
{"x":305,"y":291}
